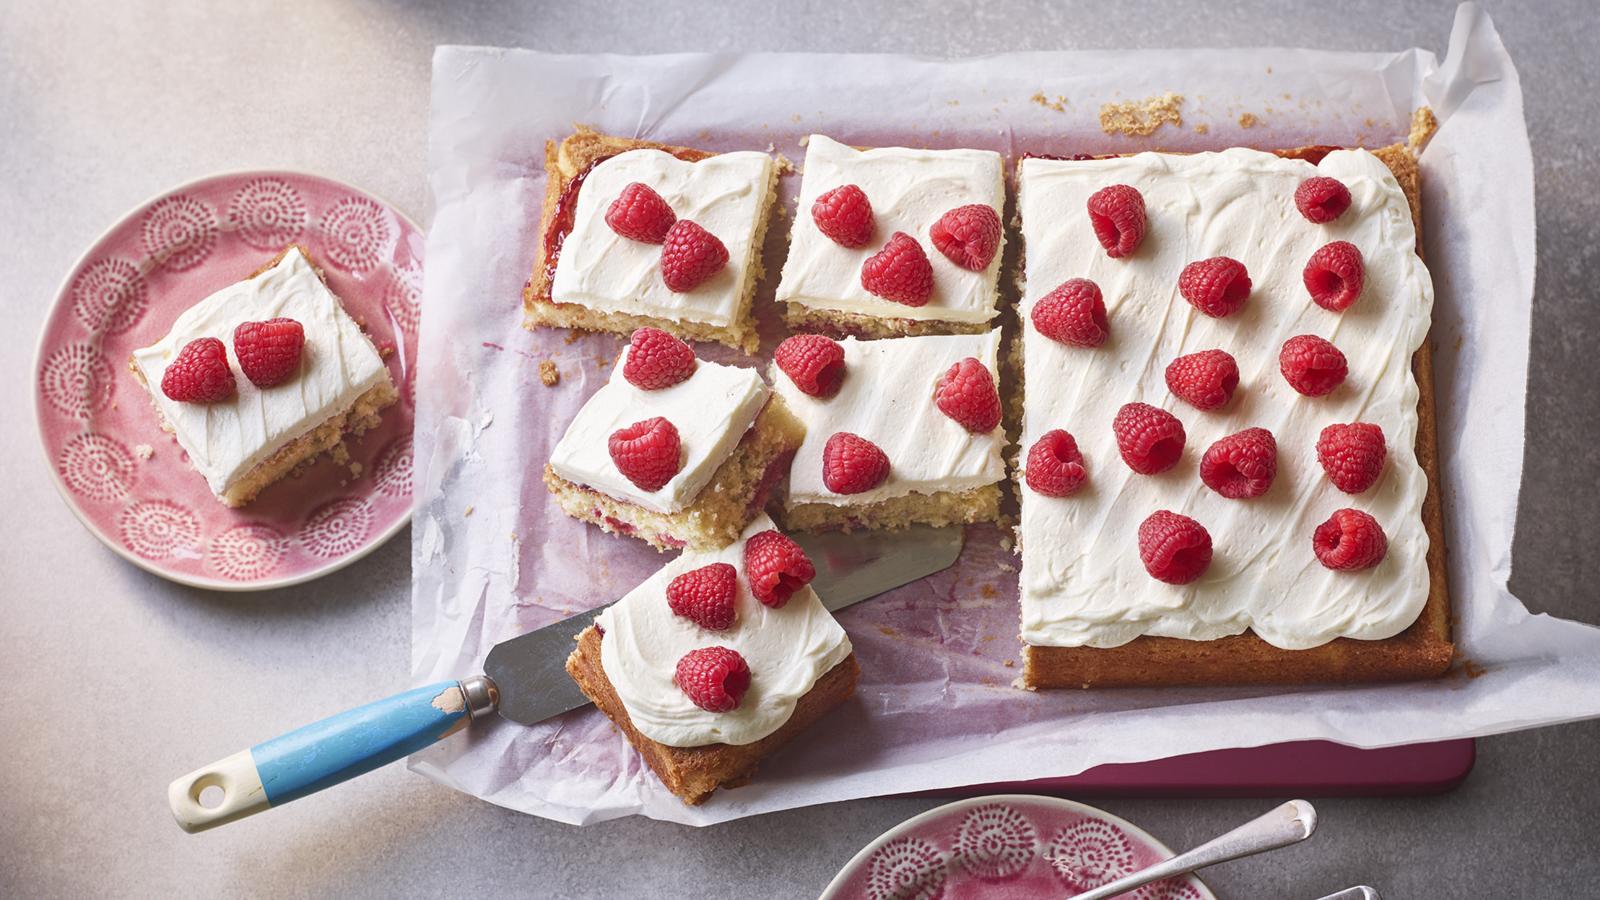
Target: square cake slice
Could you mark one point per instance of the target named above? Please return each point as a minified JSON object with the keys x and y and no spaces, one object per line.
{"x":776,"y":664}
{"x":1118,"y":586}
{"x":590,"y":276}
{"x":939,"y":471}
{"x":257,"y":435}
{"x":909,"y":192}
{"x":734,"y":439}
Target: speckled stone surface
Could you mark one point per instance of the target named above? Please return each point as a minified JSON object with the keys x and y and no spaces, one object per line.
{"x":116,"y":681}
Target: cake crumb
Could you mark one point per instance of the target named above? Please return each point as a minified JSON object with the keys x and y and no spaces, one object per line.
{"x":795,"y":118}
{"x":144,"y":451}
{"x":1059,"y":104}
{"x":887,"y":631}
{"x":1423,"y":125}
{"x":1142,"y":117}
{"x":805,"y":140}
{"x":356,"y":469}
{"x":1011,"y":664}
{"x":467,"y":514}
{"x":1248,"y":120}
{"x":602,"y":361}
{"x":549,"y":374}
{"x":1202,"y":128}
{"x":952,"y":103}
{"x":785,"y":165}
{"x":573,"y":335}
{"x":988,"y":592}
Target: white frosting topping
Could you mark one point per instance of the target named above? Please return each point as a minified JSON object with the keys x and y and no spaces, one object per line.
{"x":887,"y":398}
{"x":226,"y":440}
{"x":787,"y":650}
{"x":725,"y":194}
{"x":712,"y":409}
{"x":909,"y":190}
{"x":1082,"y":581}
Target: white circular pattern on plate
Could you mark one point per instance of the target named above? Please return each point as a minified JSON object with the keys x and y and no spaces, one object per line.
{"x":247,"y":552}
{"x":355,"y":232}
{"x":392,"y":472}
{"x":96,"y":467}
{"x":337,"y":527}
{"x":109,"y":296}
{"x":154,"y":529}
{"x":1171,"y":889}
{"x":994,"y":842}
{"x":76,"y":380}
{"x":267,"y":213}
{"x":179,"y":231}
{"x":1090,"y":853}
{"x":402,"y":298}
{"x":906,"y":869}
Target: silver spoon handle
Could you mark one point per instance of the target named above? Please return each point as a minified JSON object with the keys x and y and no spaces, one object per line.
{"x":1288,"y":824}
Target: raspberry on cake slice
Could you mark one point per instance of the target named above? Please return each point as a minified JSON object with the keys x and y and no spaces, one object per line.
{"x":637,"y":233}
{"x":264,"y":375}
{"x":899,"y":431}
{"x":717,"y":660}
{"x":893,"y":241}
{"x":674,"y":450}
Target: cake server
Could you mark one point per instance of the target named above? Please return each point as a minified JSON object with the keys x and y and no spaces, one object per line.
{"x":525,"y":680}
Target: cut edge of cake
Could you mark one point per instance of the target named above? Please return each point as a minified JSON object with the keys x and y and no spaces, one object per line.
{"x":979,"y":504}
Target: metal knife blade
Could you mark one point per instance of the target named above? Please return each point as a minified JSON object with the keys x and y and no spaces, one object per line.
{"x":530,"y":670}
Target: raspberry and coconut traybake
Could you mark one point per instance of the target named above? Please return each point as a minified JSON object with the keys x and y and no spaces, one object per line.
{"x":674,"y":450}
{"x":1228,"y":467}
{"x":637,"y":233}
{"x":716,"y":661}
{"x":264,"y":376}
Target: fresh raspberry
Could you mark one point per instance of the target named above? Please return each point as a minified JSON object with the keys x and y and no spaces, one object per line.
{"x":1350,"y":539}
{"x":813,"y":362}
{"x":199,"y":373}
{"x":1055,"y":467}
{"x":1073,"y":314}
{"x":640,"y":214}
{"x":1217,"y":286}
{"x":1150,"y":439}
{"x":852,"y":464}
{"x":1322,"y":199}
{"x":1311,"y":365}
{"x":1174,"y":548}
{"x":269,"y":352}
{"x":1334,"y":275}
{"x":705,"y":596}
{"x":657,"y":360}
{"x":967,"y":394}
{"x":776,"y":567}
{"x":646,"y":453}
{"x":1117,"y":214}
{"x":1241,"y":465}
{"x":690,"y":255}
{"x":899,"y":272}
{"x":1352,"y":455}
{"x":1204,"y":380}
{"x":714,"y":678}
{"x":968,"y":235}
{"x":844,"y":215}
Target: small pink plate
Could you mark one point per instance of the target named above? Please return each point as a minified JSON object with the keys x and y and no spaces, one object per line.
{"x":1007,"y":847}
{"x":129,"y":481}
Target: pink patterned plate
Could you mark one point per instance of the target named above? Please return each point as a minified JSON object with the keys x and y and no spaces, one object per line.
{"x":129,"y":481}
{"x":1006,"y":846}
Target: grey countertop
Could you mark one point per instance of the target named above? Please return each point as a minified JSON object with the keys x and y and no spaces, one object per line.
{"x":117,"y":681}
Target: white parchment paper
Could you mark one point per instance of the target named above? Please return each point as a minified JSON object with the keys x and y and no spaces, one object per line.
{"x":493,"y":557}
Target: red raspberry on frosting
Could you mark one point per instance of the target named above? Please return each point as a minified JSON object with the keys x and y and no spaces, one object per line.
{"x":657,"y":360}
{"x":851,"y":464}
{"x":813,"y":362}
{"x":1350,"y":539}
{"x":900,"y":272}
{"x":1055,"y":466}
{"x":967,"y":394}
{"x":714,"y":678}
{"x":1204,"y":380}
{"x":1074,"y":314}
{"x":199,"y":373}
{"x":1241,"y":465}
{"x":1217,"y":286}
{"x":1334,"y":275}
{"x":776,"y":567}
{"x":844,"y":215}
{"x":1352,"y":455}
{"x":1117,"y":215}
{"x":689,"y":256}
{"x":1322,"y":199}
{"x":640,"y":214}
{"x":1149,"y":438}
{"x":1174,"y":548}
{"x":269,"y":352}
{"x":705,"y":596}
{"x":646,"y":453}
{"x":968,"y":235}
{"x":1311,"y":365}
